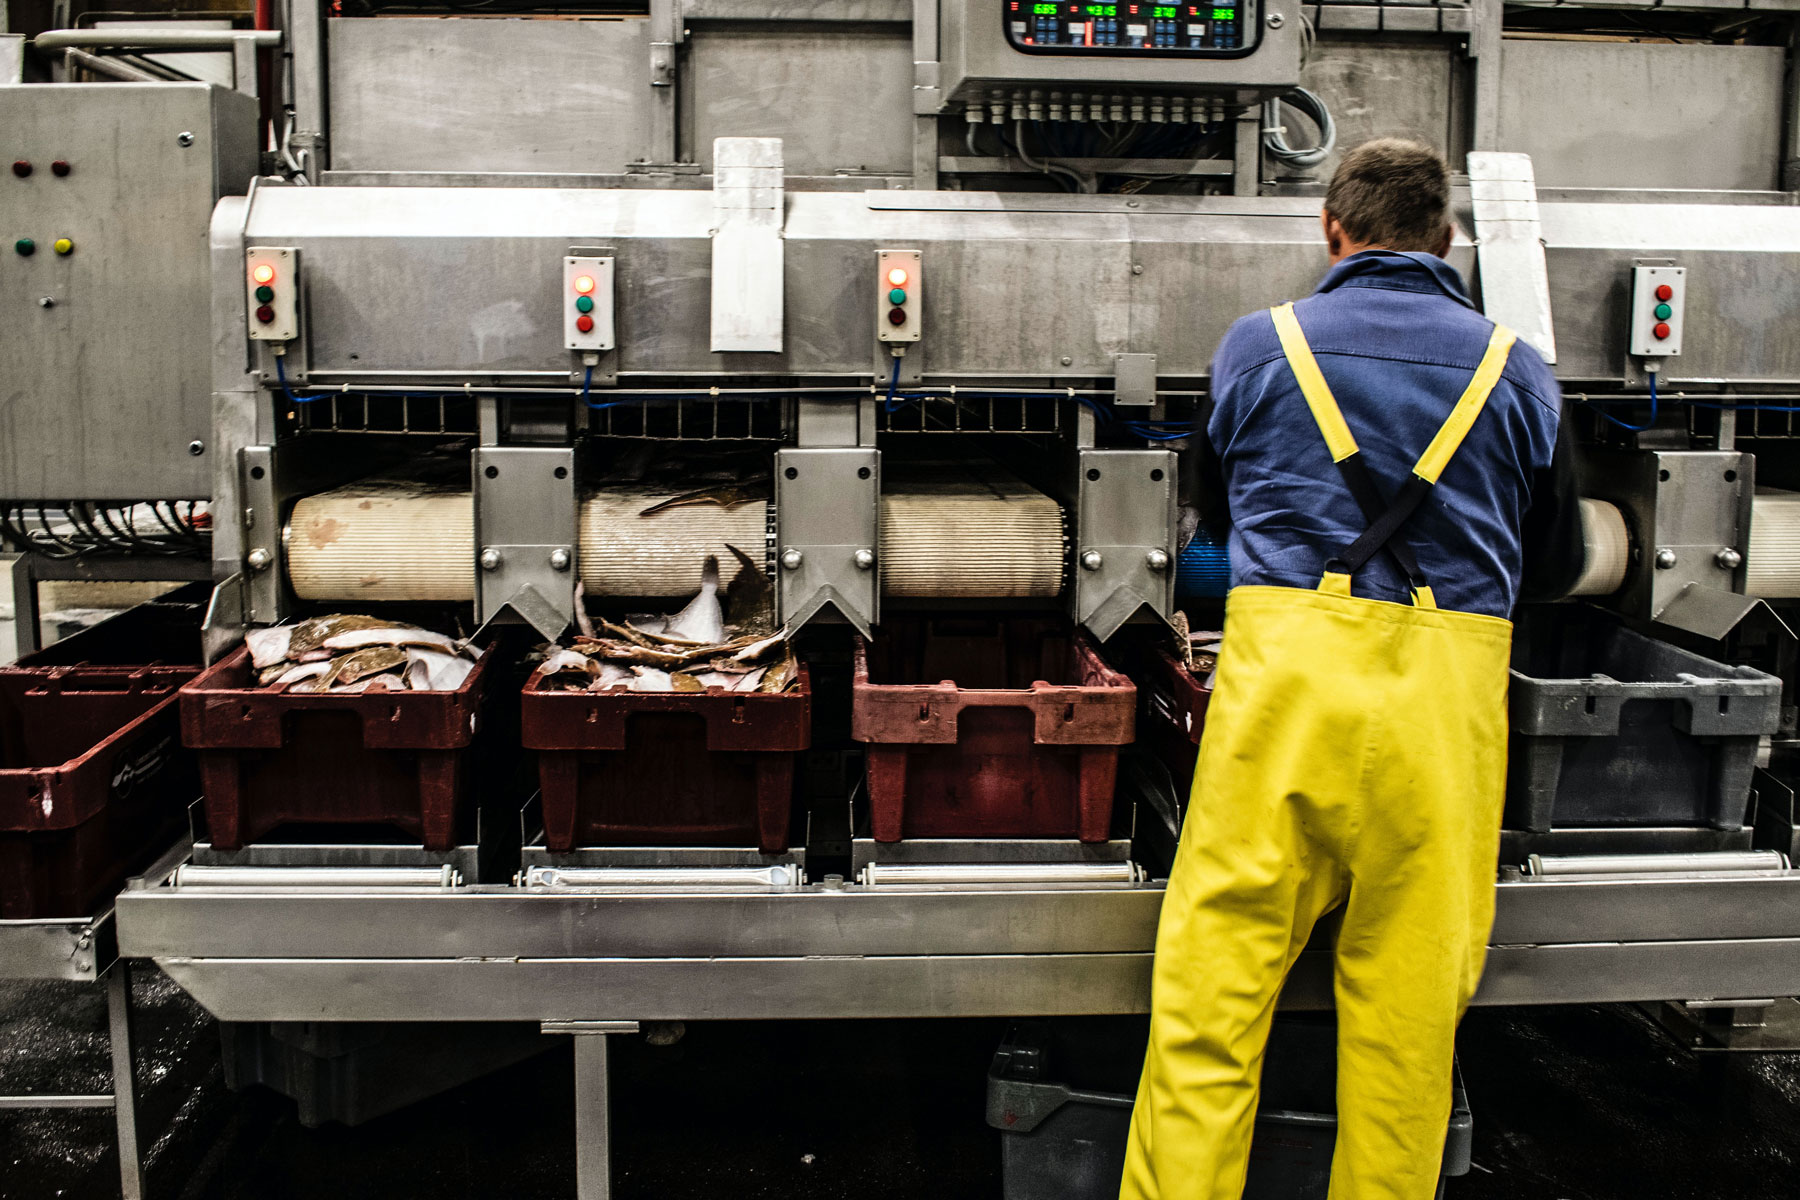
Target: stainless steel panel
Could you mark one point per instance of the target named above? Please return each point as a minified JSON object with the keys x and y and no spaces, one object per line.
{"x":1651,"y":115}
{"x":1515,"y":284}
{"x":76,"y":949}
{"x":103,"y":389}
{"x":491,"y":95}
{"x":1378,"y":89}
{"x":839,"y":99}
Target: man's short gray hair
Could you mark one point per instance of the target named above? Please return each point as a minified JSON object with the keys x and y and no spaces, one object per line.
{"x":1392,"y":193}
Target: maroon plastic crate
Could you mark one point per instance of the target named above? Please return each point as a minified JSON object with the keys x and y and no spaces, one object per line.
{"x":94,"y":783}
{"x":270,"y":758}
{"x":1175,"y":701}
{"x":712,"y":768}
{"x":1004,"y":727}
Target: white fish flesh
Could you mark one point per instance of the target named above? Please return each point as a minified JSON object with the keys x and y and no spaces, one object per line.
{"x":445,"y":672}
{"x":295,"y":674}
{"x":756,"y":650}
{"x":268,"y":646}
{"x":355,"y":639}
{"x":703,"y":620}
{"x":568,"y":660}
{"x":611,"y":675}
{"x":649,"y":679}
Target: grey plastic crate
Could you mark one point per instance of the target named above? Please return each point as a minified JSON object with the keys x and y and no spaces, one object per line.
{"x":1061,"y":1092}
{"x":1614,"y":729}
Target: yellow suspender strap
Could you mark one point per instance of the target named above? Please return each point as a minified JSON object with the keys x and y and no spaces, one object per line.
{"x":1437,"y":455}
{"x":1318,"y":395}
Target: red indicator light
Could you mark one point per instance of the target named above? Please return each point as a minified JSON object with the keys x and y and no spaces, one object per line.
{"x":59,"y":168}
{"x":584,"y":323}
{"x":263,"y":273}
{"x":265,"y":314}
{"x":1664,"y":291}
{"x":21,"y":168}
{"x":1661,"y":331}
{"x":584,"y":284}
{"x":896,"y":316}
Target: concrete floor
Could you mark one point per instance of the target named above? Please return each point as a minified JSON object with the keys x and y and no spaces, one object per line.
{"x":1580,"y":1103}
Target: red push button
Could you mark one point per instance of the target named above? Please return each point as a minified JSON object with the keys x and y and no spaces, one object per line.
{"x":896,"y":316}
{"x":21,"y":168}
{"x":1661,"y":331}
{"x":265,"y":314}
{"x":59,"y":168}
{"x":1664,"y":291}
{"x":584,"y":323}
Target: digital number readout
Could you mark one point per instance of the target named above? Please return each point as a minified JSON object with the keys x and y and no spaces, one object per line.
{"x":1129,"y":26}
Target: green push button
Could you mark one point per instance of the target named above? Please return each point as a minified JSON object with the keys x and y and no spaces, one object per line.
{"x":584,"y":304}
{"x":897,"y":296}
{"x":264,"y":294}
{"x":1663,"y":312}
{"x":26,"y":247}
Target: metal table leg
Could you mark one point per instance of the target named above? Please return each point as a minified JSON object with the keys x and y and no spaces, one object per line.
{"x":25,"y":606}
{"x":118,"y":1013}
{"x":593,"y":1114}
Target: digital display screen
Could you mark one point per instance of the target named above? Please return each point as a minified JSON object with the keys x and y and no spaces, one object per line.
{"x":1129,"y":27}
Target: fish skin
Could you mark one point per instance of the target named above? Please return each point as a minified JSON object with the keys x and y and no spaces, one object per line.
{"x":781,"y":676}
{"x":268,"y":647}
{"x":299,"y":671}
{"x":269,"y":675}
{"x":369,"y":660}
{"x":582,"y":620}
{"x":728,"y":497}
{"x":356,"y":639}
{"x":703,"y":620}
{"x":756,"y":649}
{"x":685,"y":683}
{"x":750,"y":597}
{"x":311,"y":633}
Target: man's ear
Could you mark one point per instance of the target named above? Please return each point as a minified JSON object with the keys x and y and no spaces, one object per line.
{"x":1334,"y":234}
{"x":1443,"y":248}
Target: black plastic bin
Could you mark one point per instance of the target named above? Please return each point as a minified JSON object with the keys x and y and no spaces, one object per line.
{"x":1061,"y":1092}
{"x":1614,"y":729}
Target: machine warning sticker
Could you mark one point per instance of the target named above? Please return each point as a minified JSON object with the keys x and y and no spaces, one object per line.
{"x":139,"y":765}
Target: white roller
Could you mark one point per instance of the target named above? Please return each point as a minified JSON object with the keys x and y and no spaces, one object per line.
{"x":1774,"y":558}
{"x":951,"y":533}
{"x":1608,"y":549}
{"x":626,"y":554}
{"x":383,"y":541}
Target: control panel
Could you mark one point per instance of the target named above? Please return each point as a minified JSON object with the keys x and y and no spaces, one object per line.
{"x":272,"y":283}
{"x":899,"y":296}
{"x":1225,"y":28}
{"x":587,"y":303}
{"x":1658,"y":297}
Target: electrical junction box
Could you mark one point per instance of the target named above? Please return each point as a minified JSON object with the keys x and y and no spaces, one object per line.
{"x":1249,"y":49}
{"x":899,"y":296}
{"x":1658,"y":300}
{"x":272,"y":301}
{"x":587,"y":303}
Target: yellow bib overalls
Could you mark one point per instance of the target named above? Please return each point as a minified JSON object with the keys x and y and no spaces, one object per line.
{"x":1354,"y":755}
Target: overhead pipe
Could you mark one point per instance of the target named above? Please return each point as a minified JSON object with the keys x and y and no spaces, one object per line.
{"x":154,"y":39}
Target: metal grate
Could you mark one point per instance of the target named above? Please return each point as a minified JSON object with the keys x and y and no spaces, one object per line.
{"x":750,"y":418}
{"x":973,"y":414}
{"x":354,"y":412}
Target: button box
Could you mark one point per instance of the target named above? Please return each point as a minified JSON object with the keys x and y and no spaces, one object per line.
{"x":272,"y":293}
{"x":587,"y":304}
{"x":899,"y":296}
{"x":1658,"y":297}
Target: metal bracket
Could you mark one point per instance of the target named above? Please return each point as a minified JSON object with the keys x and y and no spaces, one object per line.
{"x":1123,"y":497}
{"x":747,"y":252}
{"x":525,"y":543}
{"x":223,"y":626}
{"x":1509,"y":247}
{"x":1134,"y":380}
{"x":593,"y":1116}
{"x":828,"y":513}
{"x":264,"y":566}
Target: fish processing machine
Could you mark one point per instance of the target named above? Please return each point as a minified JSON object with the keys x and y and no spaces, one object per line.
{"x":911,"y":304}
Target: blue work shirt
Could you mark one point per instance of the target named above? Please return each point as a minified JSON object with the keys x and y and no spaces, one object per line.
{"x":1398,"y":341}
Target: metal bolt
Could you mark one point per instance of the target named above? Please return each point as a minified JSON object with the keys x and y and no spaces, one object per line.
{"x":1131,"y":204}
{"x":490,"y":559}
{"x":864,"y":559}
{"x":559,"y":559}
{"x":1665,"y":559}
{"x":1091,"y":561}
{"x":1157,"y":560}
{"x":791,"y":560}
{"x":1729,"y":559}
{"x":1137,"y":268}
{"x":196,"y":447}
{"x":1276,"y":20}
{"x":258,"y":559}
{"x":46,"y":301}
{"x":1066,"y":360}
{"x":184,"y":138}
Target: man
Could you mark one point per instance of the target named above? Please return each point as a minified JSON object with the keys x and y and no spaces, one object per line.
{"x":1394,"y":472}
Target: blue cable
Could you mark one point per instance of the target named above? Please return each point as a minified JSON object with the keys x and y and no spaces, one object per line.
{"x":888,"y":405}
{"x":281,"y":378}
{"x":1634,"y":428}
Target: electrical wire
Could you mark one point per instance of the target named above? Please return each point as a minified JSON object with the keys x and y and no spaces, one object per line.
{"x":281,"y":380}
{"x":1274,"y":136}
{"x":1606,"y":416}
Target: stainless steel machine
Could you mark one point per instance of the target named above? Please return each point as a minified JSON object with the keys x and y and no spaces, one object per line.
{"x":941,"y":280}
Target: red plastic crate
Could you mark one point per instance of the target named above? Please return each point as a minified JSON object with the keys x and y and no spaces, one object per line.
{"x":94,"y":783}
{"x":711,"y":768}
{"x":271,"y":758}
{"x":1175,"y":700}
{"x":1019,"y":737}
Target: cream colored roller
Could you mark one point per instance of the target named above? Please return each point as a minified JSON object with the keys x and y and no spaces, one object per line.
{"x":381,"y":541}
{"x":1608,"y":549}
{"x":624,"y":553}
{"x":949,"y":533}
{"x":1774,"y":559}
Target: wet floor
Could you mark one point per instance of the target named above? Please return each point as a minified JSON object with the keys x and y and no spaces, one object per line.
{"x":1579,"y":1103}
